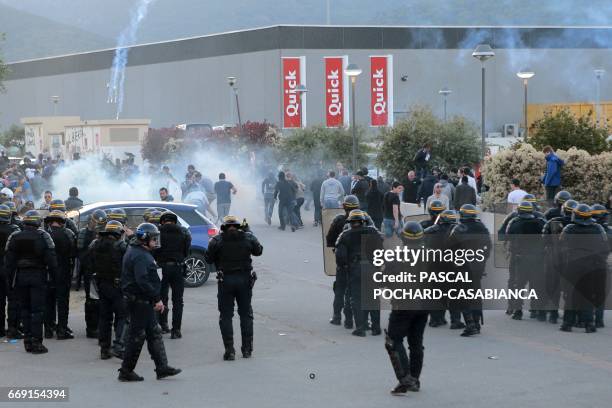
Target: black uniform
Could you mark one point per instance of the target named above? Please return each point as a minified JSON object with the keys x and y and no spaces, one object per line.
{"x":175,"y":244}
{"x":349,"y":259}
{"x":8,"y":296}
{"x":554,"y":266}
{"x":231,"y":252}
{"x":553,"y":213}
{"x":105,"y":262}
{"x":342,"y":295}
{"x":585,"y":252}
{"x":141,"y":289}
{"x":58,"y":289}
{"x":472,"y":234}
{"x":92,"y":307}
{"x":436,"y":237}
{"x":501,"y":233}
{"x":30,"y":257}
{"x":526,"y":248}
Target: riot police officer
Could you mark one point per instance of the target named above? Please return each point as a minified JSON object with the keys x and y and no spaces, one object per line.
{"x":501,"y":233}
{"x":231,"y":252}
{"x":407,"y":323}
{"x":106,"y":259}
{"x":553,"y":257}
{"x":600,"y":215}
{"x":585,"y":252}
{"x":472,"y":234}
{"x":349,"y":252}
{"x":147,"y":213}
{"x":119,"y":214}
{"x":560,"y":198}
{"x":97,"y":222}
{"x":8,"y":296}
{"x":15,"y":219}
{"x":340,"y":287}
{"x":30,"y":256}
{"x":435,"y":208}
{"x":154,"y":217}
{"x":175,"y":246}
{"x":59,"y":205}
{"x":58,"y":289}
{"x":141,"y":285}
{"x":436,"y":237}
{"x":525,"y":247}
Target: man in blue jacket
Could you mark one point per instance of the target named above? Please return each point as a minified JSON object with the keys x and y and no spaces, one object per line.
{"x":552,"y":175}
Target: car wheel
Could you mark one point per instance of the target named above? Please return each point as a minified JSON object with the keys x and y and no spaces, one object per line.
{"x":197,"y":270}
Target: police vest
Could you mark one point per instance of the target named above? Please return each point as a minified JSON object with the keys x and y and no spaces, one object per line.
{"x":173,"y":243}
{"x":30,"y":248}
{"x":235,"y":253}
{"x":106,"y":258}
{"x":5,"y":231}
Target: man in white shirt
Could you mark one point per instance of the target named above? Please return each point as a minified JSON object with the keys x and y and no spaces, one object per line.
{"x":332,"y":192}
{"x":516,"y":195}
{"x":464,"y":171}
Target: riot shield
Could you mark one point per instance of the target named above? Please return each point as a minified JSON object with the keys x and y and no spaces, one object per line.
{"x":329,"y":260}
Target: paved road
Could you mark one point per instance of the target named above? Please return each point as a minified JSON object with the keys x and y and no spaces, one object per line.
{"x":534,"y":364}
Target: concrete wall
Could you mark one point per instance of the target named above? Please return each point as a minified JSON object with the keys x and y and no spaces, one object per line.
{"x":182,"y":83}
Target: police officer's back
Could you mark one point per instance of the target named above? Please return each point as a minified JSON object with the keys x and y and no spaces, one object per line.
{"x":30,"y":256}
{"x":175,"y":246}
{"x":231,"y":252}
{"x":7,"y":295}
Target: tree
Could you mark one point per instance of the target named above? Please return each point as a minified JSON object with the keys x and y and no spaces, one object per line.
{"x":453,"y":143}
{"x":320,"y":147}
{"x":562,"y":130}
{"x":3,"y":68}
{"x":13,"y":137}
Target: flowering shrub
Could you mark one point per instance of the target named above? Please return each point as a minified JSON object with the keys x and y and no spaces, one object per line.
{"x":587,"y":177}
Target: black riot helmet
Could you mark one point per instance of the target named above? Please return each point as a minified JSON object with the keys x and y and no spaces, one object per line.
{"x":568,"y":207}
{"x":154,"y":217}
{"x":57,"y":205}
{"x":147,"y":213}
{"x":468,"y":212}
{"x":56,"y":216}
{"x":97,"y":220}
{"x":448,"y":217}
{"x":350,"y":202}
{"x":436,"y":207}
{"x":11,"y":205}
{"x":117,"y":214}
{"x":168,"y":216}
{"x":32,"y":218}
{"x":525,"y":210}
{"x":412,"y":231}
{"x":582,"y":215}
{"x":5,"y":214}
{"x":114,"y":228}
{"x":532,"y":199}
{"x":599,"y":213}
{"x":357,"y":218}
{"x":561,"y":197}
{"x":230,"y":220}
{"x":147,"y":233}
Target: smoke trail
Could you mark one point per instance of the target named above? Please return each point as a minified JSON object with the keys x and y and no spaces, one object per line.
{"x":126,"y":38}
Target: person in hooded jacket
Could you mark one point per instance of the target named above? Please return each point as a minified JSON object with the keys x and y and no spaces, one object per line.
{"x":552,"y":176}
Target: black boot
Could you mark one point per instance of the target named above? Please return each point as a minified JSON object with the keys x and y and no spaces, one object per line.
{"x":91,"y":333}
{"x":230,"y":353}
{"x":27,"y":344}
{"x":336,"y":320}
{"x":407,"y":383}
{"x":599,"y":324}
{"x":105,"y":353}
{"x":128,"y":376}
{"x":64,"y":334}
{"x":38,"y":348}
{"x":518,"y":315}
{"x":175,"y":334}
{"x":247,"y":347}
{"x":348,"y":324}
{"x":553,"y":317}
{"x":589,"y":328}
{"x":533,"y":314}
{"x":164,"y":328}
{"x":565,"y":327}
{"x":48,"y":332}
{"x":166,"y":371}
{"x":541,"y":315}
{"x":457,"y":324}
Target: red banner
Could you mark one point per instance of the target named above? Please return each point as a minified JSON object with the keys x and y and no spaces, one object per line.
{"x":381,"y":105}
{"x":336,"y":114}
{"x":292,"y":77}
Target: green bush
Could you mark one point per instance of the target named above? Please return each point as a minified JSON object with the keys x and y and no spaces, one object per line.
{"x":453,"y":143}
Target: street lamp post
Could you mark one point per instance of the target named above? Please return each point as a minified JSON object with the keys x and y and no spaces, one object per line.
{"x":525,"y":75}
{"x":231,"y":81}
{"x":55,"y":99}
{"x":301,"y":90}
{"x":599,"y":73}
{"x":353,"y":71}
{"x":483,"y":52}
{"x":445,"y":92}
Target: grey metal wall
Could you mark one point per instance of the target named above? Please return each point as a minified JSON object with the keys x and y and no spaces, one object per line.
{"x":195,"y":90}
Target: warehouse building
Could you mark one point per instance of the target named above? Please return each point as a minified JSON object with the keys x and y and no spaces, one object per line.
{"x":186,"y":81}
